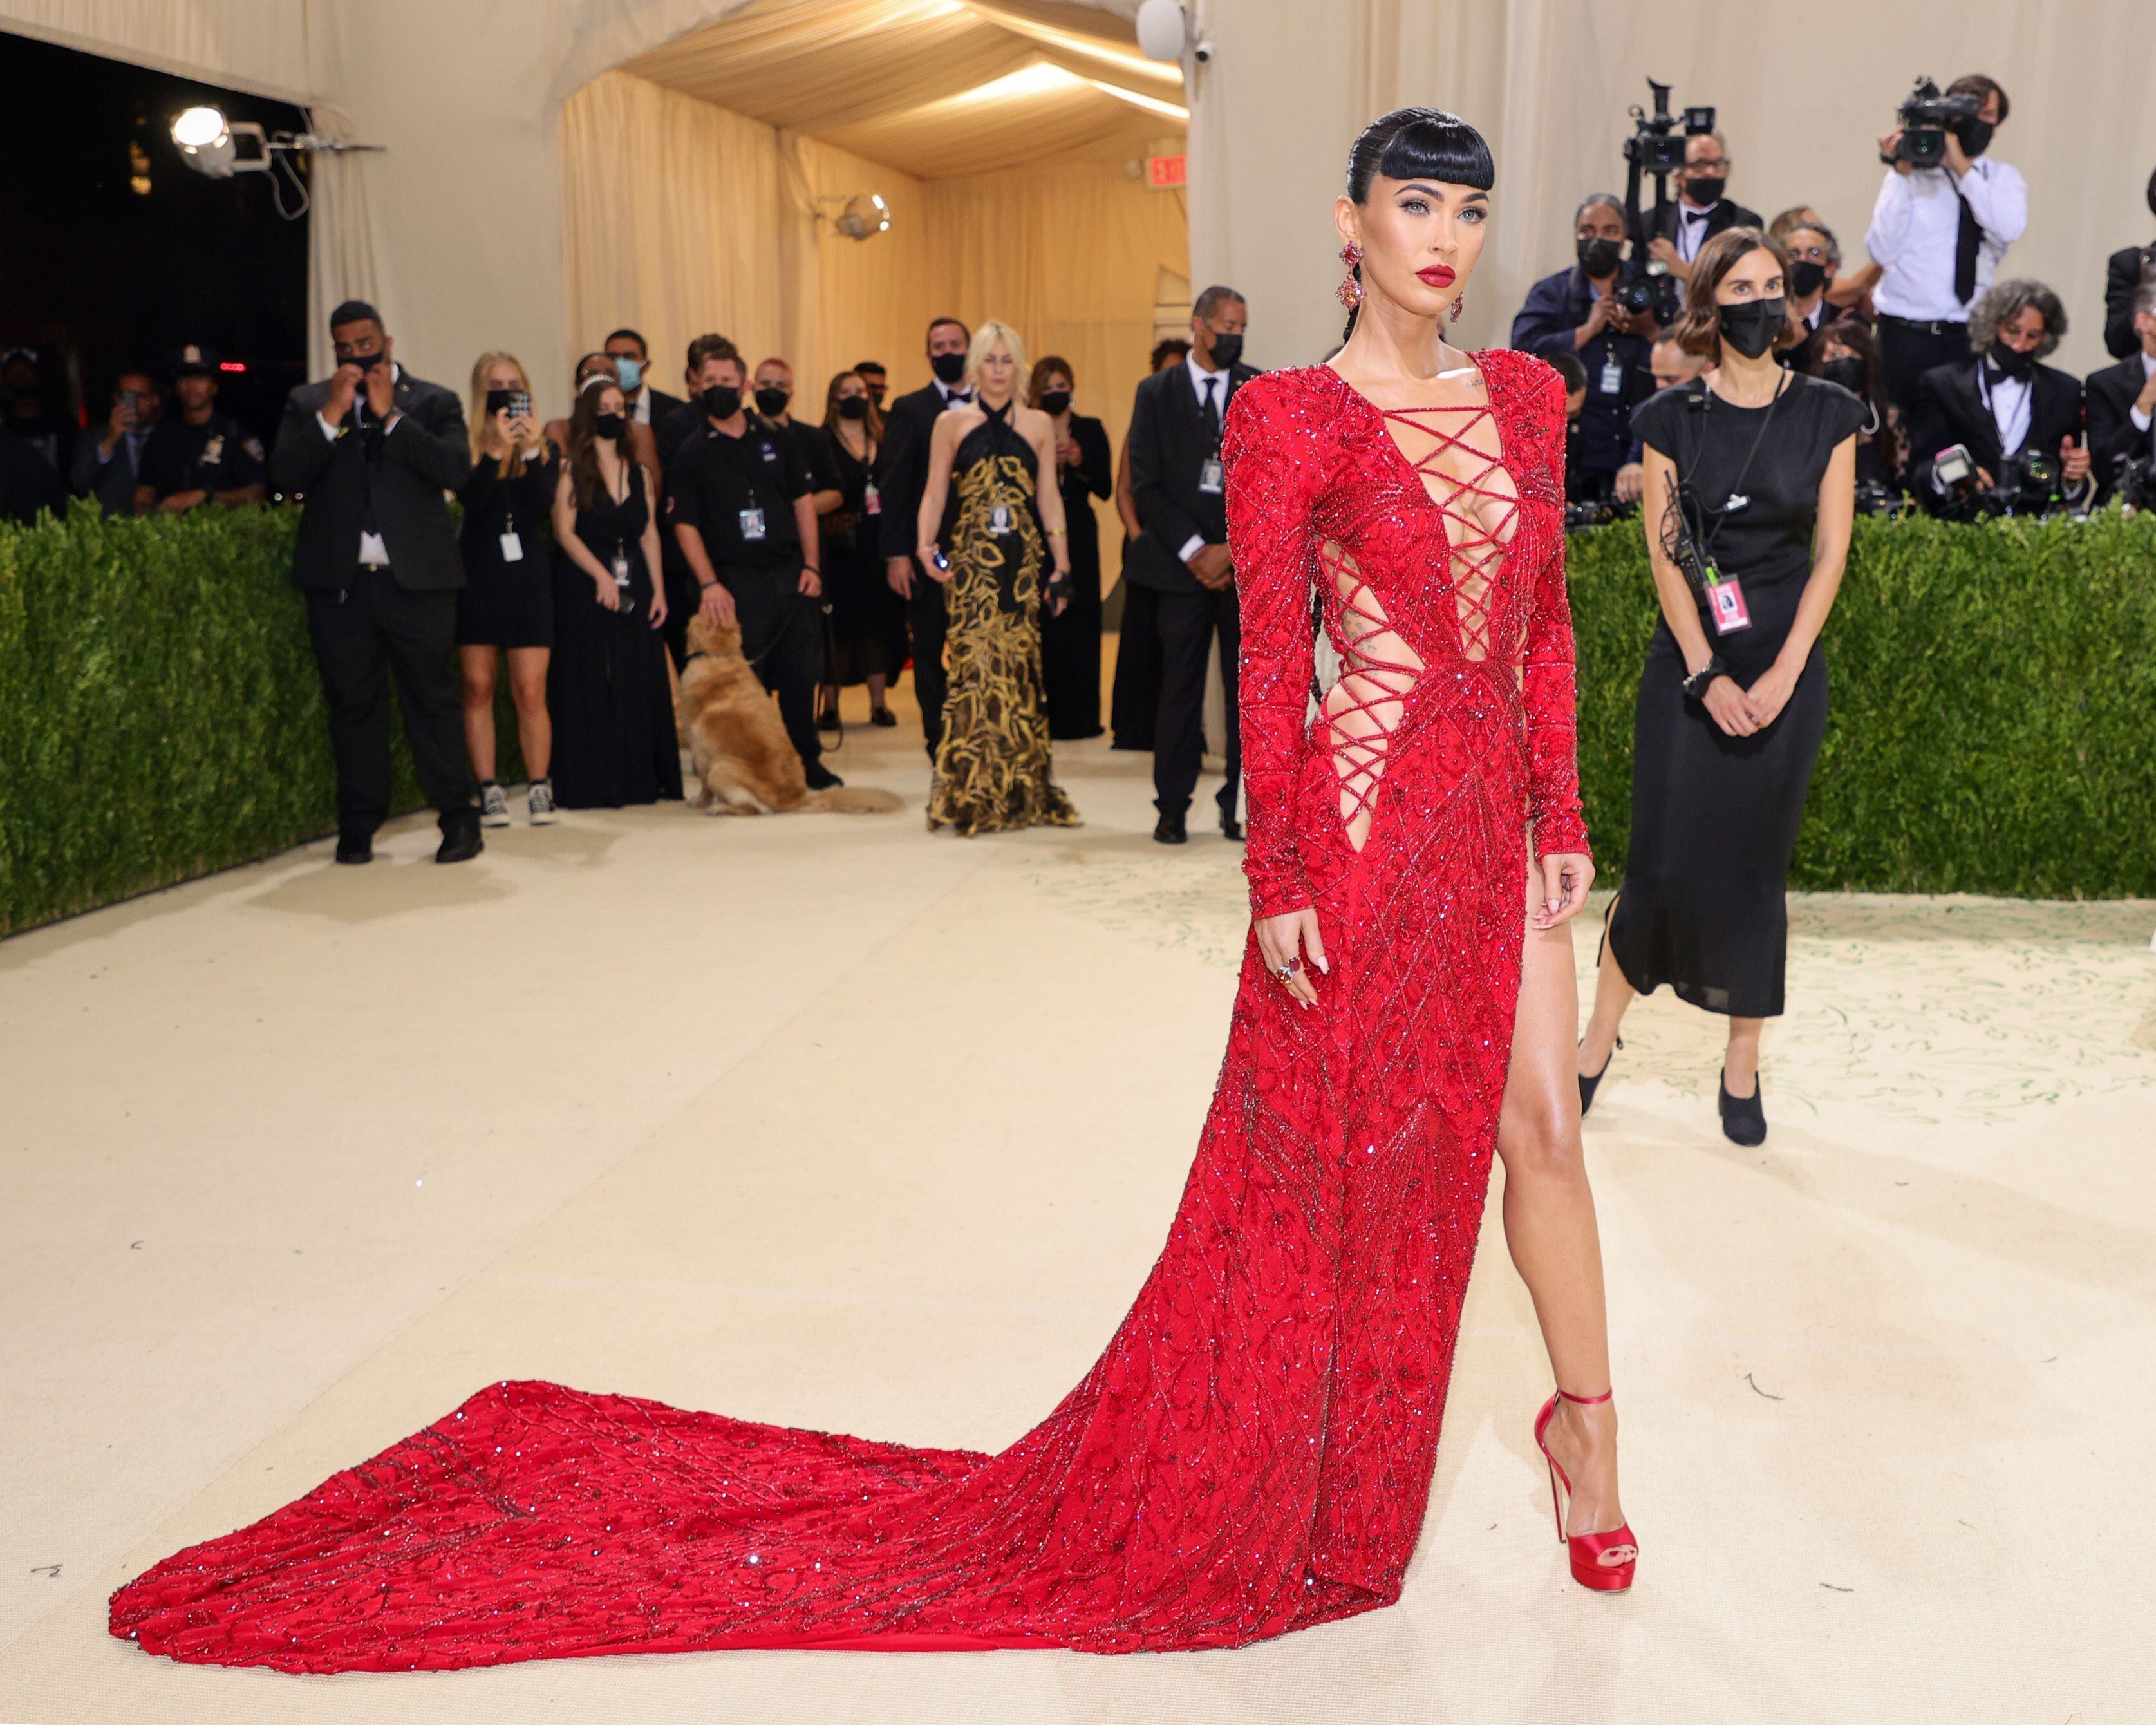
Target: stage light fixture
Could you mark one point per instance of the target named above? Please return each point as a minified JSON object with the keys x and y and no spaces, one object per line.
{"x":858,"y":217}
{"x":208,"y":142}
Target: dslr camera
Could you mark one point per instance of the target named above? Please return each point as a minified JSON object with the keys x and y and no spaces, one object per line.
{"x":2029,"y":485}
{"x":1927,"y":117}
{"x":1657,"y":147}
{"x":2134,"y":484}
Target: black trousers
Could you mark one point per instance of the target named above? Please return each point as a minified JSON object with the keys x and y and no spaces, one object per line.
{"x":1188,"y":622}
{"x":782,"y":637}
{"x":374,"y":630}
{"x":1906,"y":351}
{"x":927,"y":619}
{"x":1134,"y":701}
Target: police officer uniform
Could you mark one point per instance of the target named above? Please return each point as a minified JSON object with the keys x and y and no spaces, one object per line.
{"x":219,"y":455}
{"x":738,"y":493}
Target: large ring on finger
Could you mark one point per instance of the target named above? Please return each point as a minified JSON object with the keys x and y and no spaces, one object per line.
{"x":1288,"y":969}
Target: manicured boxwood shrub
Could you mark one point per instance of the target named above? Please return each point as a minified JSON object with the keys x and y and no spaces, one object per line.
{"x":160,"y":715}
{"x":1993,"y":728}
{"x":1992,"y":721}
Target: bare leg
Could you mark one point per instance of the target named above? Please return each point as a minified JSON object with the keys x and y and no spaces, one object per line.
{"x":475,"y":669}
{"x":535,"y":725}
{"x":1613,"y":998}
{"x":1740,"y":1064}
{"x":1549,"y":1224}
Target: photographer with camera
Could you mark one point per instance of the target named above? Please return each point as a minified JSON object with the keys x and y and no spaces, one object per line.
{"x":1676,"y":231}
{"x":2127,"y":269}
{"x":1601,"y":310}
{"x":1994,"y":432}
{"x":2122,"y":399}
{"x":1945,"y":215}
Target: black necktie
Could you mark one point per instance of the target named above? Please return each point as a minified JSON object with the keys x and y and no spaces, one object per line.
{"x":1965,"y":241}
{"x":1211,"y":414}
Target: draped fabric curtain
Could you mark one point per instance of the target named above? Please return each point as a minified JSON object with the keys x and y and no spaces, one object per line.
{"x":680,"y":218}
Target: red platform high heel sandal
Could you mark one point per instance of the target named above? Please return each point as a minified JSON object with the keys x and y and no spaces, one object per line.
{"x":1604,"y":1561}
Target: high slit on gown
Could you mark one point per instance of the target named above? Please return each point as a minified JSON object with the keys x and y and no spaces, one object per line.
{"x":1253,"y":1453}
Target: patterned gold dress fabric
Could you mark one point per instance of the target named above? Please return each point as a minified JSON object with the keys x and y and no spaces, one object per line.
{"x":992,"y":768}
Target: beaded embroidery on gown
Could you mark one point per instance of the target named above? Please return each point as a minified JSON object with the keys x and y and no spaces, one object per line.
{"x":1254,"y":1452}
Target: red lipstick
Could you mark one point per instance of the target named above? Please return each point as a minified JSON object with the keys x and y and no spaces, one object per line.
{"x":1438,"y":275}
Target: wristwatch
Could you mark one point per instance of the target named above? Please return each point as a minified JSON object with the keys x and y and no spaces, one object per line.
{"x":1696,"y":684}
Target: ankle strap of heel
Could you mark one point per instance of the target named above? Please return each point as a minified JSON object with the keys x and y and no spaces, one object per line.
{"x":1587,"y":1401}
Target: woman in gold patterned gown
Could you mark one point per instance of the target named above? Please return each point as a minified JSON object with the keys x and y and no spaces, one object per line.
{"x":990,"y":502}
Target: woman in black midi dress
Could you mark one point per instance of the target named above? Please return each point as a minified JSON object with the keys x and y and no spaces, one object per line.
{"x":1070,"y":639}
{"x":612,"y":707}
{"x":868,"y":617}
{"x":1733,"y":696}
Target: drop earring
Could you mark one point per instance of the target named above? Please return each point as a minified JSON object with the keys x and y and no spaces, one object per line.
{"x":1350,"y":290}
{"x":1459,"y":299}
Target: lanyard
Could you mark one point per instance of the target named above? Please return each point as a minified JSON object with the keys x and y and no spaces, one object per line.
{"x":1714,"y":532}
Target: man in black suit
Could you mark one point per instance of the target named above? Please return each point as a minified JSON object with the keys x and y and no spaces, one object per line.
{"x":648,"y":403}
{"x":373,"y":449}
{"x":2125,"y":270}
{"x":1176,"y":483}
{"x":1676,"y":231}
{"x":906,"y":429}
{"x":2122,"y":399}
{"x":2000,"y":401}
{"x":106,"y":466}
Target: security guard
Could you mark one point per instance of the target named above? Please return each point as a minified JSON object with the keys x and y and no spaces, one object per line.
{"x":203,"y":454}
{"x":738,"y":504}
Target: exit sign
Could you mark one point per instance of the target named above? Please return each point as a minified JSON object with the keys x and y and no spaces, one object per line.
{"x":1163,"y":173}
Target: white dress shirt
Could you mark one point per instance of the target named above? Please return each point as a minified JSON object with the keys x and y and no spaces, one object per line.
{"x":2140,"y":419}
{"x":1691,"y":226}
{"x":373,"y":554}
{"x":639,"y":410}
{"x":1916,"y":223}
{"x":2011,"y":401}
{"x":953,"y":394}
{"x":1204,"y":385}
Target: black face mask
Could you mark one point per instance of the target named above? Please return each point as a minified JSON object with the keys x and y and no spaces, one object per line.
{"x":610,"y":426}
{"x":949,"y":367}
{"x":852,"y":406}
{"x":1054,"y":401}
{"x":1847,"y":371}
{"x":1751,"y":327}
{"x":1598,"y":258}
{"x":771,"y":402}
{"x":1227,"y":351}
{"x":1705,"y":191}
{"x":1806,"y":278}
{"x":722,"y":401}
{"x":1975,"y":136}
{"x":2009,"y":362}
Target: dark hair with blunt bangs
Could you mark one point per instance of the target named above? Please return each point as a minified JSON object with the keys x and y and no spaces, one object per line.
{"x":1416,"y":144}
{"x":1698,"y":330}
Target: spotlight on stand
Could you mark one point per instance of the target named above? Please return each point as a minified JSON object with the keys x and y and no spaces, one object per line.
{"x":209,"y":144}
{"x":858,"y":217}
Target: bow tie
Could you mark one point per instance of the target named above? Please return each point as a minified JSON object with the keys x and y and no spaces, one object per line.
{"x":959,"y":395}
{"x":1697,"y":215}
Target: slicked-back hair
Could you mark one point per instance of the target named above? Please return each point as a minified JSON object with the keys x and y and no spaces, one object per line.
{"x":1212,"y":299}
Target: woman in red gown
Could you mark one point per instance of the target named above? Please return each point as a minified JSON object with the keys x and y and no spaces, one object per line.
{"x":1253,"y":1454}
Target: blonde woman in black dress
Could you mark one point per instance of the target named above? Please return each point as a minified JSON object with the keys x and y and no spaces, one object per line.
{"x":991,"y":520}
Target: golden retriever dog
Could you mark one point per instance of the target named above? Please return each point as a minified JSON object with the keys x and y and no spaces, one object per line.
{"x":744,"y":762}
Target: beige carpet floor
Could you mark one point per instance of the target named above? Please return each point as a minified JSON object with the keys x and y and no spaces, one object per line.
{"x":830,"y":1122}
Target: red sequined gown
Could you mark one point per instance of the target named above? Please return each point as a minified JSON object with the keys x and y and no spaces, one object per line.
{"x":1254,"y":1452}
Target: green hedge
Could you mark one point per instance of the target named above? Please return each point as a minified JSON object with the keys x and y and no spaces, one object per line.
{"x":1993,"y":728}
{"x":1992,"y":719}
{"x":160,"y":714}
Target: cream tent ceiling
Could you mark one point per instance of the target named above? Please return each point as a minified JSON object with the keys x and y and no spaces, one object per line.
{"x":937,"y":89}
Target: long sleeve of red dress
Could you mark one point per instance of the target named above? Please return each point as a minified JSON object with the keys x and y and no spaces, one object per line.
{"x":1551,"y":691}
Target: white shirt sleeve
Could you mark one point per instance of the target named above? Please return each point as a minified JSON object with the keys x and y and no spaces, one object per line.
{"x":328,"y":430}
{"x":2139,"y":418}
{"x":1890,"y":210}
{"x":1999,"y":199}
{"x":1191,"y":546}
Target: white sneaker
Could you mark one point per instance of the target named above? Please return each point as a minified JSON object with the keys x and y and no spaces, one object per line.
{"x":493,"y":806}
{"x":542,"y":803}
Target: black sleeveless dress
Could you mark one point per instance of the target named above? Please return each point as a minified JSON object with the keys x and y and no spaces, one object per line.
{"x":992,"y":767}
{"x":606,"y":686}
{"x":868,"y":617}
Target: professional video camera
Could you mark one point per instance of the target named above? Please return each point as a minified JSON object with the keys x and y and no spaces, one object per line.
{"x":1656,"y":147}
{"x":1927,"y":117}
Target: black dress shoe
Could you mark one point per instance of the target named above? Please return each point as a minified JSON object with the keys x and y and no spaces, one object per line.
{"x":828,"y":719}
{"x":1588,"y":1085}
{"x":1231,"y":828}
{"x":1170,"y":829}
{"x":820,"y":777}
{"x":1743,"y":1119}
{"x":355,"y":847}
{"x":882,"y":716}
{"x":460,"y":839}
